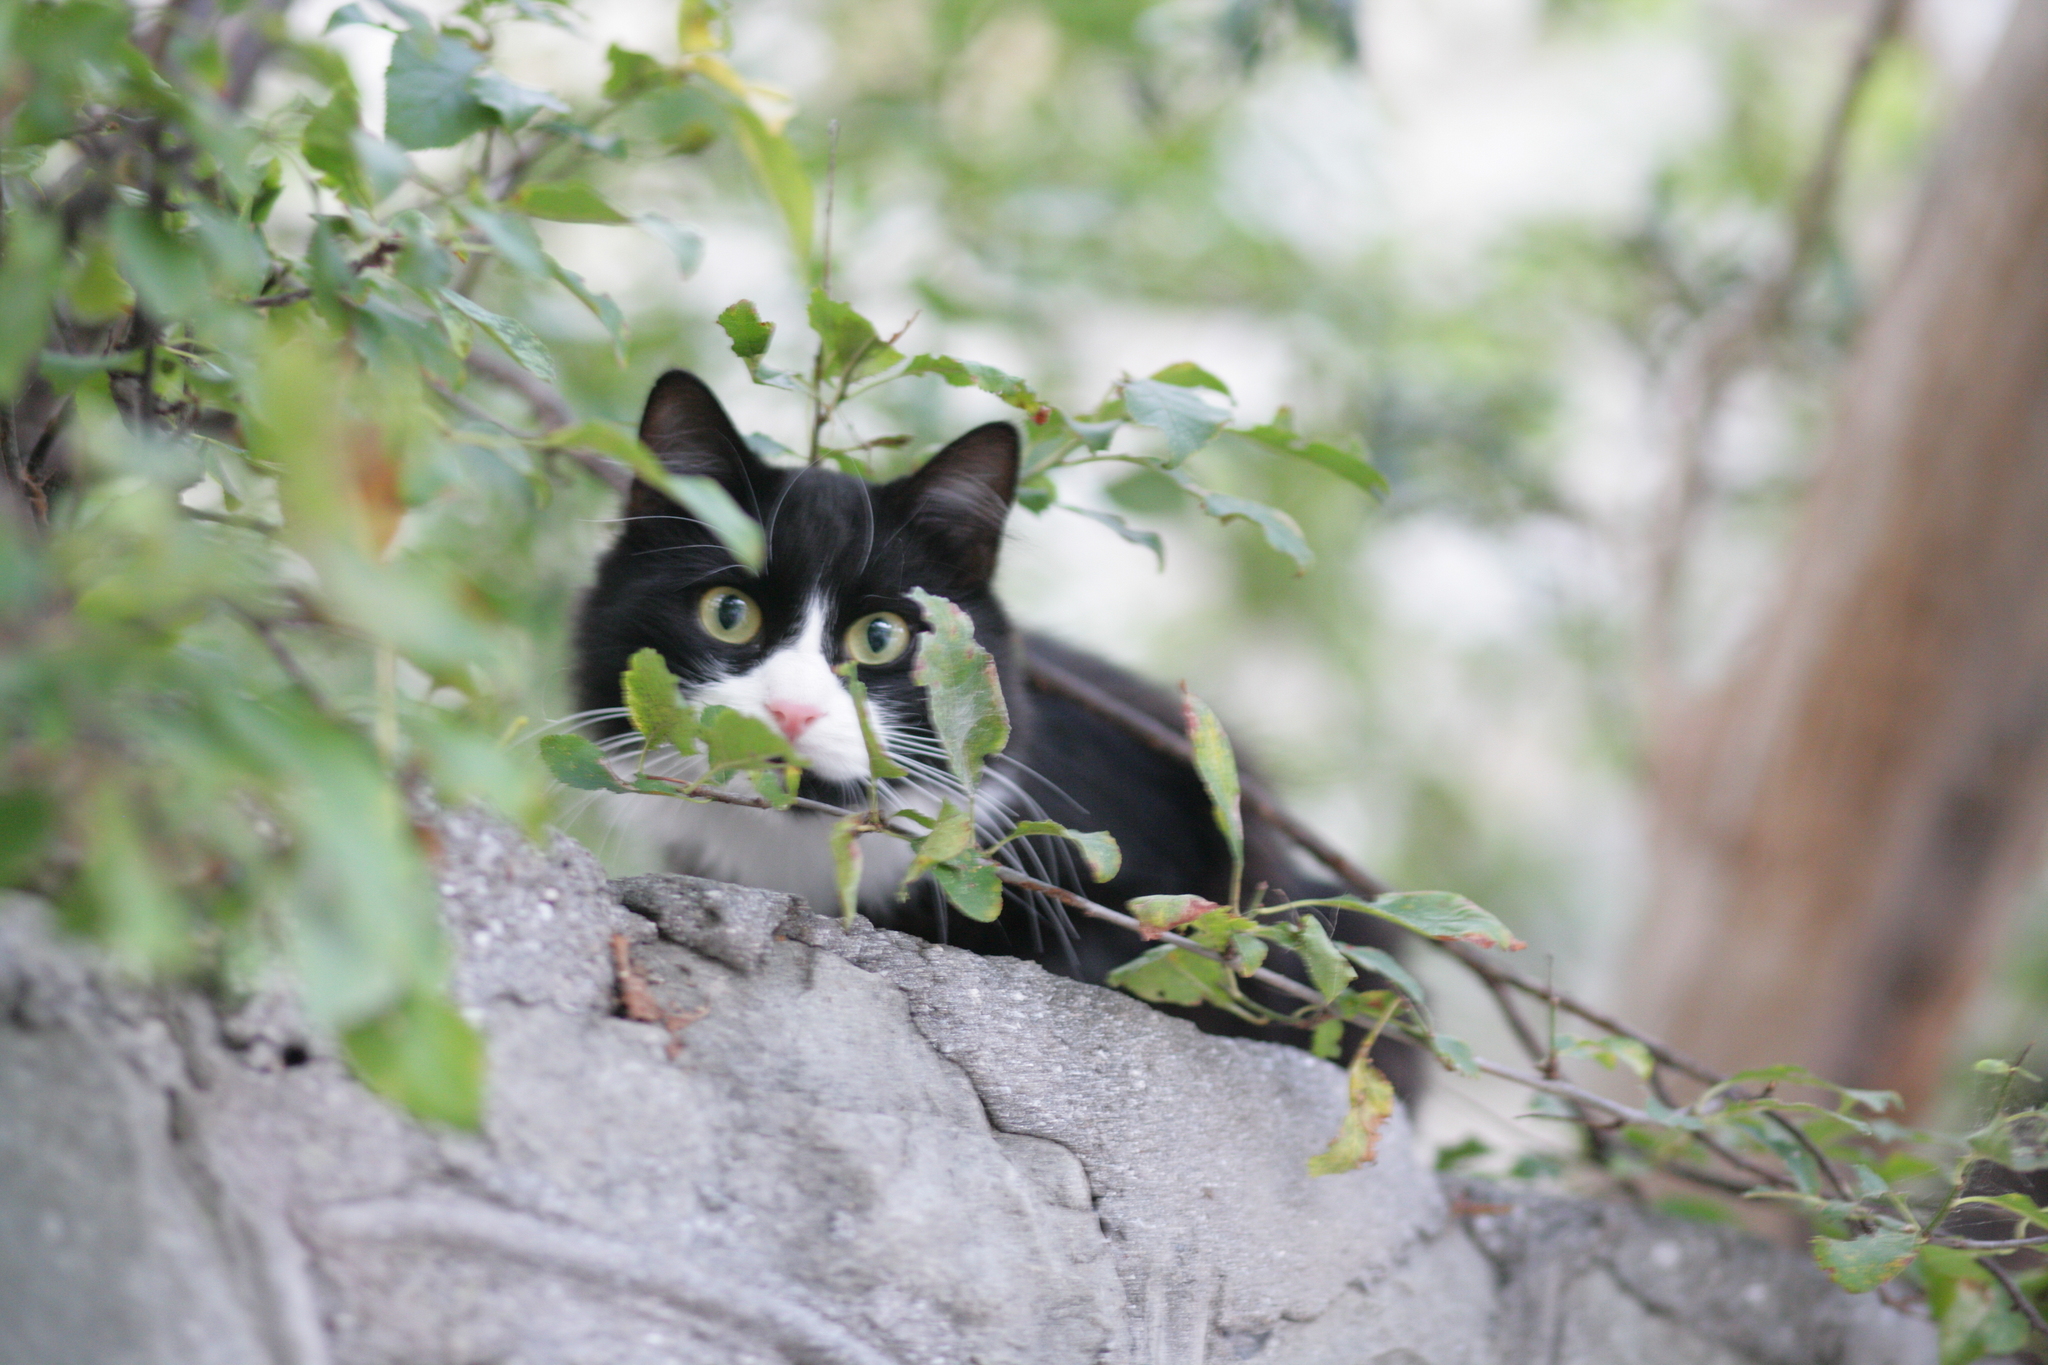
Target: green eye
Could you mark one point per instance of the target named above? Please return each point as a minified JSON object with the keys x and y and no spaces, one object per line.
{"x":730,"y":615}
{"x":878,"y":639}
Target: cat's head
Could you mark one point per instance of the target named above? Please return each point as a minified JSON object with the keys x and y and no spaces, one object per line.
{"x":842,"y":557}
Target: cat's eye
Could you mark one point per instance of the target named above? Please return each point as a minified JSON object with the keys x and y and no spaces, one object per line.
{"x":878,"y":638}
{"x":730,"y":615}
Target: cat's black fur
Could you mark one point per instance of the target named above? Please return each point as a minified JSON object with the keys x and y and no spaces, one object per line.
{"x":864,"y":547}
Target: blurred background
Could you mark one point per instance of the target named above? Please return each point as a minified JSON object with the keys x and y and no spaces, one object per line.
{"x":1586,"y":277}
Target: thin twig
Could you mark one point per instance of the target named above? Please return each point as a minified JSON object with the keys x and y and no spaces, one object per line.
{"x":2019,"y":1298}
{"x":1048,"y":677}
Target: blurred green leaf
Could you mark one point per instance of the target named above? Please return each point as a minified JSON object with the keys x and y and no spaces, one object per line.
{"x":684,"y":241}
{"x":1862,"y":1263}
{"x":970,"y":374}
{"x":1384,"y":964}
{"x":515,"y":336}
{"x":423,"y":1056}
{"x":779,"y":169}
{"x":961,"y":690}
{"x":1187,"y":420}
{"x":2017,"y":1141}
{"x":515,"y":105}
{"x":578,"y":763}
{"x":1148,"y":539}
{"x":27,"y":820}
{"x":852,"y":350}
{"x":704,"y":498}
{"x":1189,"y":375}
{"x":1280,"y":530}
{"x":567,"y":201}
{"x":1328,"y":972}
{"x":428,"y":100}
{"x":29,"y":277}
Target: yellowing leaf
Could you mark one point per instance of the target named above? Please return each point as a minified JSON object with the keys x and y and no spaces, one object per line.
{"x":1357,"y":1141}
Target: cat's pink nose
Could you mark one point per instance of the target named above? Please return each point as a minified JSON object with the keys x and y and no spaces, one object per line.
{"x":793,"y":717}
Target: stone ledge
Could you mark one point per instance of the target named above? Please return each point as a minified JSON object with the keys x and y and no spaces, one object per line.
{"x":867,"y":1148}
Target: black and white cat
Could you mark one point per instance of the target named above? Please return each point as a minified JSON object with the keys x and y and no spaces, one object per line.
{"x":842,"y":557}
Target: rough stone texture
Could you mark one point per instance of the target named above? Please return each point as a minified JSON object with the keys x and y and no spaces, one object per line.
{"x":866,"y":1149}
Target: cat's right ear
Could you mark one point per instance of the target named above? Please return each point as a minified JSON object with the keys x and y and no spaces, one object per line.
{"x":687,"y":429}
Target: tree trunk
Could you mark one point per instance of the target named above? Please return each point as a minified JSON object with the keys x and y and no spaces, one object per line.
{"x":1842,"y":825}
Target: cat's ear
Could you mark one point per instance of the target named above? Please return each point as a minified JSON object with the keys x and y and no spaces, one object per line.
{"x":962,"y":496}
{"x":687,"y":429}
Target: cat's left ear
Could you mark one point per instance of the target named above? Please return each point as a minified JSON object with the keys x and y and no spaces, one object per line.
{"x":962,"y":496}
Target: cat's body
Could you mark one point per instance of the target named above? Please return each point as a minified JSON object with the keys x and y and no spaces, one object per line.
{"x":842,"y":558}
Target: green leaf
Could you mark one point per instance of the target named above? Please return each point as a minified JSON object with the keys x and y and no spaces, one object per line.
{"x":704,"y":498}
{"x":512,"y":237}
{"x":961,"y":689}
{"x":1098,"y":848}
{"x":652,"y":702}
{"x":1328,"y":972}
{"x":329,"y":148}
{"x":780,"y":170}
{"x":163,"y":266}
{"x":1157,"y":915}
{"x":1863,"y":1263}
{"x":629,"y":73}
{"x":733,"y":741}
{"x":952,"y":834}
{"x":428,"y":101}
{"x":1168,"y":975}
{"x":600,"y":305}
{"x":1149,"y":539}
{"x":684,"y":241}
{"x":29,"y":276}
{"x":1455,"y":1053}
{"x":1251,"y":952}
{"x":1612,"y":1053}
{"x":844,"y":841}
{"x":1326,"y":1040}
{"x":1217,"y":767}
{"x":1384,"y":964}
{"x":1279,"y":436}
{"x":2018,"y":1141}
{"x":743,"y":327}
{"x":1188,"y":420}
{"x":976,"y":891}
{"x":519,"y":342}
{"x":578,"y":763}
{"x":881,"y":767}
{"x":1188,"y":375}
{"x":1280,"y":530}
{"x":421,"y":1055}
{"x":1441,"y":915}
{"x":515,"y":105}
{"x":963,"y":374}
{"x":852,"y":350}
{"x":567,"y":201}
{"x":1357,"y":1141}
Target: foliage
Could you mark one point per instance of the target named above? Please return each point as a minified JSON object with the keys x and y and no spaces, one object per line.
{"x":289,"y":498}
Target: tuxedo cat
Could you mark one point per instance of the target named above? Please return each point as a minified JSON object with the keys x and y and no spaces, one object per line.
{"x":842,"y":557}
